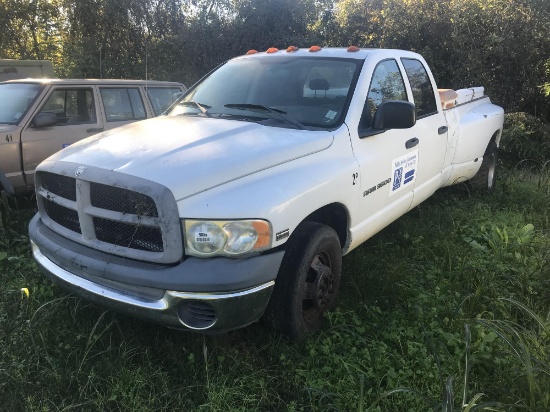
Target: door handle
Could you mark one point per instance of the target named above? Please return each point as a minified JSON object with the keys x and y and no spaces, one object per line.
{"x":96,"y":130}
{"x":442,"y":129}
{"x":411,"y":143}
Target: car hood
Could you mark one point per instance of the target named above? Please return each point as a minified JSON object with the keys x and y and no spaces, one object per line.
{"x":8,"y":128}
{"x":192,"y":154}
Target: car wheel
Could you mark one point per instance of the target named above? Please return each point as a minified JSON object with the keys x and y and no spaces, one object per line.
{"x":307,"y":282}
{"x":486,"y":178}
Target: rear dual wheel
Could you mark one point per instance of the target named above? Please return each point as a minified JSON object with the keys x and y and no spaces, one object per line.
{"x":308,"y":280}
{"x":486,"y":178}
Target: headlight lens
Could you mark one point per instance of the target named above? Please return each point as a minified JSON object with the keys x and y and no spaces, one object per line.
{"x":205,"y":238}
{"x":226,"y":238}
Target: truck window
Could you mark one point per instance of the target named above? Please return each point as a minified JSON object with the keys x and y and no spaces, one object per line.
{"x":423,"y":94}
{"x":386,"y":84}
{"x":71,"y":106}
{"x":122,"y":104}
{"x":162,"y":97}
{"x":15,"y":100}
{"x":313,"y":91}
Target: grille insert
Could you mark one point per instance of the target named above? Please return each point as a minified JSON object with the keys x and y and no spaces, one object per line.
{"x":60,"y":185}
{"x":128,"y":235}
{"x":122,"y":200}
{"x":67,"y":218}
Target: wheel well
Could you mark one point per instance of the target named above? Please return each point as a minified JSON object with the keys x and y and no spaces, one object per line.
{"x":334,"y":215}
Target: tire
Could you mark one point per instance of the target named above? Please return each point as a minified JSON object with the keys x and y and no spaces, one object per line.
{"x":486,"y":178}
{"x":308,"y":281}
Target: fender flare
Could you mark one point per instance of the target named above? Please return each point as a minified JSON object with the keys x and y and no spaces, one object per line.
{"x":5,"y":184}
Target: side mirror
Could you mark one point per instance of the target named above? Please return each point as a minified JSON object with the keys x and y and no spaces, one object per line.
{"x":44,"y":120}
{"x":394,"y":114}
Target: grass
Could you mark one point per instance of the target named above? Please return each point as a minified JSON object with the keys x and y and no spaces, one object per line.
{"x":446,"y":309}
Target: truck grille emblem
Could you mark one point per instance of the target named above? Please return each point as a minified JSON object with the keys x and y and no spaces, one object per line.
{"x":79,"y":171}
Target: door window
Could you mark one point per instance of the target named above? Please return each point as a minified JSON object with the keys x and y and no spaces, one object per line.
{"x":122,"y":104}
{"x":423,"y":93}
{"x":386,"y":84}
{"x":71,"y":106}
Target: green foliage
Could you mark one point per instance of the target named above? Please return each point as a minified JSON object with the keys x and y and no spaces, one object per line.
{"x":500,"y":44}
{"x":526,"y":139}
{"x":444,"y":310}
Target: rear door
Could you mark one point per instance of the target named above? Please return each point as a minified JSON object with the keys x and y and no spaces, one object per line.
{"x":431,"y":129}
{"x":122,"y":105}
{"x":76,"y":109}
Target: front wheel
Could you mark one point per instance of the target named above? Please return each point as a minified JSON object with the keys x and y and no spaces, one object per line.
{"x":486,"y":178}
{"x":307,"y":282}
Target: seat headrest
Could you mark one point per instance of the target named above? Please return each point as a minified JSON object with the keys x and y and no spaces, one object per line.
{"x":318,"y":84}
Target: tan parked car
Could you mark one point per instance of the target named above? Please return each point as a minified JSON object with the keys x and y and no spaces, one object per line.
{"x":39,"y":117}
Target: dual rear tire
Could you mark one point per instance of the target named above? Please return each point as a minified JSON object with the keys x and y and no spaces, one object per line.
{"x":486,"y":178}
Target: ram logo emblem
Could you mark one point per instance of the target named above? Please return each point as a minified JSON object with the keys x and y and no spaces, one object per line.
{"x":79,"y":171}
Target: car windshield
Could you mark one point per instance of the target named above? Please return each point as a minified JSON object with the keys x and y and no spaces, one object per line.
{"x":15,"y":100}
{"x":285,"y":91}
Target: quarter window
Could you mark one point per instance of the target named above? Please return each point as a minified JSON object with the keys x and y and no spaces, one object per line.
{"x":162,"y":97}
{"x":122,"y":104}
{"x":423,"y":93}
{"x":386,"y":84}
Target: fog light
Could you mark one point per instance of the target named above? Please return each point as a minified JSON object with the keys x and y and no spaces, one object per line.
{"x":196,"y":314}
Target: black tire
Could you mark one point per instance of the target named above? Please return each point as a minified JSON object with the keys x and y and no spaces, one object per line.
{"x":308,"y":281}
{"x":486,"y":178}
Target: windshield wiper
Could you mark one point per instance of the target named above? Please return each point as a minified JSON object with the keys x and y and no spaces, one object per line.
{"x":201,"y":107}
{"x":259,"y":108}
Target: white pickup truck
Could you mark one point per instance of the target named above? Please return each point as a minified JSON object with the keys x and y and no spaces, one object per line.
{"x":242,"y":200}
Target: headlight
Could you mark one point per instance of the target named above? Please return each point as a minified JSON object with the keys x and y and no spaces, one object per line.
{"x":226,"y":238}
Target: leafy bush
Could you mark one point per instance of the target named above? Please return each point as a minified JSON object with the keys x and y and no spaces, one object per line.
{"x":525,"y":139}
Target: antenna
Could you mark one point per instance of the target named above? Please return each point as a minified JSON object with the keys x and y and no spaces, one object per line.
{"x":100,"y":73}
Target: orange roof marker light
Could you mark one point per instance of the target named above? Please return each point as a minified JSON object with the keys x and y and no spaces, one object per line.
{"x":292,"y":49}
{"x":272,"y":50}
{"x":353,"y":49}
{"x":252,"y":51}
{"x":314,"y":48}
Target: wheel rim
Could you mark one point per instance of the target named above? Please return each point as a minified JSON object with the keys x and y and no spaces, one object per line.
{"x":319,"y":287}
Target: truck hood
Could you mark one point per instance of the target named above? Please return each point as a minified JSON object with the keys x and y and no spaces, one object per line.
{"x":192,"y":154}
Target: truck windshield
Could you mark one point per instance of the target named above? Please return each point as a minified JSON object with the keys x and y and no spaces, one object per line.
{"x":288,"y":91}
{"x":15,"y":100}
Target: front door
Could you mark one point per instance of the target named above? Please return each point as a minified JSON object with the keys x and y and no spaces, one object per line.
{"x":387,"y":159}
{"x":76,"y":111}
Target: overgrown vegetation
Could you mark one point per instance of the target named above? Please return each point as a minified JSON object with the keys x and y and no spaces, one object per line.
{"x":446,"y":309}
{"x":500,"y":44}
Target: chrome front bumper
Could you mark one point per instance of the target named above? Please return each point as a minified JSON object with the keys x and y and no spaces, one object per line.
{"x":216,"y":312}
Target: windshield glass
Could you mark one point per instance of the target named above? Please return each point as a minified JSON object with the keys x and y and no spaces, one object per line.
{"x":15,"y":100}
{"x":308,"y":91}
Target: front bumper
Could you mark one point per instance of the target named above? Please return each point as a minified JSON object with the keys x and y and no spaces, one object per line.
{"x":218,"y":302}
